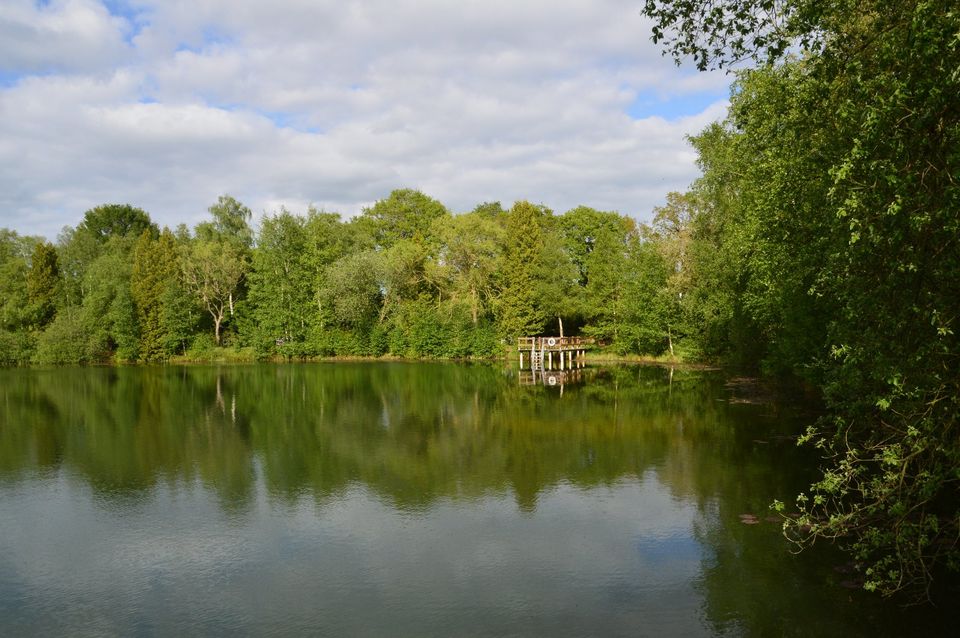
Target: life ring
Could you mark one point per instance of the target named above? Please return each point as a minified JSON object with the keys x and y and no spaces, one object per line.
{"x":552,"y":380}
{"x":551,"y":341}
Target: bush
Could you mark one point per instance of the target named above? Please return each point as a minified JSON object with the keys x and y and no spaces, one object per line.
{"x":64,"y":341}
{"x":16,"y":347}
{"x":202,"y":347}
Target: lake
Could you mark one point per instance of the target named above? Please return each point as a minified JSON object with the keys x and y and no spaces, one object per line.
{"x":409,"y":499}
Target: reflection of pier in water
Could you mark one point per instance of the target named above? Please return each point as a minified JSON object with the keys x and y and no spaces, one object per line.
{"x":553,"y":378}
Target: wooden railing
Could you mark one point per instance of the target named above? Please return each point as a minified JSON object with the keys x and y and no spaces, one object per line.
{"x":553,"y":343}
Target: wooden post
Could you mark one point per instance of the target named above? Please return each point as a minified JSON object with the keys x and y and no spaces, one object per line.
{"x":570,"y":359}
{"x":550,"y":360}
{"x":521,"y":359}
{"x":561,"y":360}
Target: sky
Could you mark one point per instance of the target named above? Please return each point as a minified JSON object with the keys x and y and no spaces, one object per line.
{"x":167,"y":104}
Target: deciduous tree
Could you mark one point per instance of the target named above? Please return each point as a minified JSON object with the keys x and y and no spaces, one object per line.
{"x":281,"y":285}
{"x":831,"y":204}
{"x":43,"y":284}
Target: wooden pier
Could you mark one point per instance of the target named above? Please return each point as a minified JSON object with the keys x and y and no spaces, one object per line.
{"x":543,"y":352}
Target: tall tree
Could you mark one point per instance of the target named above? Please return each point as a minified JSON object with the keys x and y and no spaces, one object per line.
{"x":216,"y":262}
{"x":16,"y":311}
{"x":108,"y":315}
{"x":115,"y":220}
{"x":180,"y":312}
{"x":155,"y":270}
{"x":519,"y":306}
{"x":471,"y":247}
{"x":672,"y":234}
{"x":490,"y":210}
{"x":327,"y":239}
{"x":76,"y":251}
{"x":556,"y":280}
{"x":352,"y":290}
{"x":230,"y":223}
{"x":646,"y":307}
{"x":212,"y":271}
{"x":404,"y":214}
{"x":596,"y":242}
{"x":606,"y":267}
{"x":43,"y":283}
{"x":582,"y":226}
{"x":281,"y":285}
{"x":81,"y":246}
{"x":15,"y":252}
{"x":406,"y":274}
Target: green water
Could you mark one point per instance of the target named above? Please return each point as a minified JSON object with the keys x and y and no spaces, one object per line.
{"x":406,"y":499}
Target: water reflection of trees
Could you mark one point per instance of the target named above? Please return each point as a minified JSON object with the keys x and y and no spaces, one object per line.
{"x":417,"y":433}
{"x":410,"y":433}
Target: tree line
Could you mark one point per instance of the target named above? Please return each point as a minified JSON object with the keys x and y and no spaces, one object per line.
{"x":404,"y":278}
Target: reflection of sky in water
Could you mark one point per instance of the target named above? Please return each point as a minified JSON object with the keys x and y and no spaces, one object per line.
{"x":601,"y":561}
{"x":397,"y":499}
{"x":669,"y":551}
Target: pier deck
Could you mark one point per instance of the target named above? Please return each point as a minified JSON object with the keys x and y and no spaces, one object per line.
{"x":543,"y":350}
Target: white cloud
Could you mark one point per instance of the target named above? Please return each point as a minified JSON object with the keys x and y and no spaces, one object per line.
{"x":337,"y":103}
{"x":62,"y":35}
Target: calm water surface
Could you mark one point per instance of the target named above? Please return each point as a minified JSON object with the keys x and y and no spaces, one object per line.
{"x":406,"y":499}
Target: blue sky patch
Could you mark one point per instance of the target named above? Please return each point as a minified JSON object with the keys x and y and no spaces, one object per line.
{"x":136,"y":19}
{"x":287,"y":120}
{"x":9,"y":78}
{"x":121,"y":9}
{"x":651,"y":104}
{"x":210,"y":37}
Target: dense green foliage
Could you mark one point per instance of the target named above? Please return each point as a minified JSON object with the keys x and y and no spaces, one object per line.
{"x":405,"y":278}
{"x":826,"y":245}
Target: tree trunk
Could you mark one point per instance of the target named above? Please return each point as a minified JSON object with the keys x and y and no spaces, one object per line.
{"x":560,"y":319}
